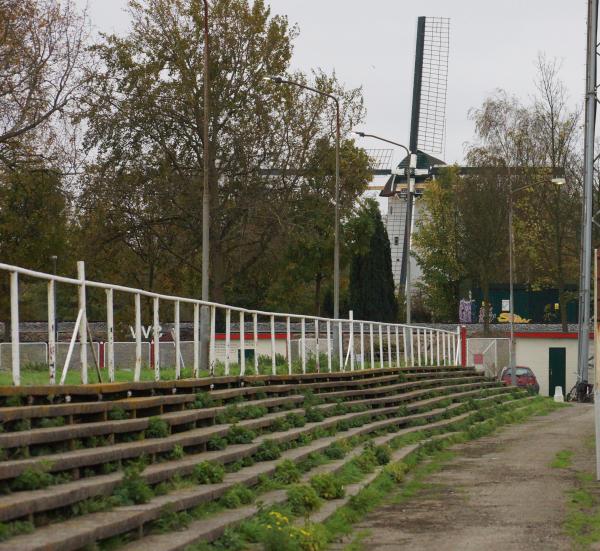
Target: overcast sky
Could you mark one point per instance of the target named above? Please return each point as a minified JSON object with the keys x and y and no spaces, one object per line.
{"x":371,"y":44}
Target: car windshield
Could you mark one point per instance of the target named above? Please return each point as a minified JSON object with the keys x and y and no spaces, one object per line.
{"x":520,"y":372}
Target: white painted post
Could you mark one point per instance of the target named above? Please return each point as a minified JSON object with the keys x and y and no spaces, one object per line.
{"x":242,"y":345}
{"x":196,"y":337}
{"x":431,"y":346}
{"x":288,"y":337}
{"x":138,"y":337}
{"x":303,"y":343}
{"x":14,"y":328}
{"x":273,"y":359}
{"x":389,"y":345}
{"x":212,"y":360}
{"x":397,"y":348}
{"x":227,"y":340}
{"x":51,"y":333}
{"x":255,"y":336}
{"x":419,"y":346}
{"x":156,"y":335}
{"x":425,"y":351}
{"x":328,"y":346}
{"x":83,"y":323}
{"x":317,"y":358}
{"x":351,"y":344}
{"x":405,"y":344}
{"x":437,"y":346}
{"x":341,"y":345}
{"x":177,"y":337}
{"x":110,"y":335}
{"x":372,"y":343}
{"x":362,"y":345}
{"x":412,"y":347}
{"x":380,"y":344}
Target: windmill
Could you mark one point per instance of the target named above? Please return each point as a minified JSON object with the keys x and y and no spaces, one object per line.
{"x":427,"y":137}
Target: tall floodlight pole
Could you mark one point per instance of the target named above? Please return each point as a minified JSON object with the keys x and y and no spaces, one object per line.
{"x":336,"y":244}
{"x":588,"y":183}
{"x":205,"y":202}
{"x":410,"y":192}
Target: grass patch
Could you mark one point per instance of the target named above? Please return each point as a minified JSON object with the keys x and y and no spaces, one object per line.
{"x":562,"y":460}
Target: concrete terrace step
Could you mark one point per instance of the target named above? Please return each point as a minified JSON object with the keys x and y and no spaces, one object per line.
{"x":20,"y":504}
{"x":77,"y":532}
{"x":76,"y":459}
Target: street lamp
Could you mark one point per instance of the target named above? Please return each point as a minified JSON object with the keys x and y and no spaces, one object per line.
{"x":410,"y":191}
{"x":336,"y":245}
{"x":511,"y":245}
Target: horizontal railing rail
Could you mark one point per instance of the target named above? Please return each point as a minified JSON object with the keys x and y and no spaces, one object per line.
{"x":396,"y":344}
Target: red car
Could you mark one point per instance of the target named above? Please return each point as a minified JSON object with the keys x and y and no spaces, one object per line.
{"x":525,"y":378}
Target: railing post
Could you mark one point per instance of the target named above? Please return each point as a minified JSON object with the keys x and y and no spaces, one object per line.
{"x":412,"y":347}
{"x":288,"y":339}
{"x":351,"y":336}
{"x":212,"y":359}
{"x":51,"y":332}
{"x":227,"y":340}
{"x":303,"y":343}
{"x":14,"y":328}
{"x":196,"y":337}
{"x":389,"y":345}
{"x":242,"y":344}
{"x":341,"y":345}
{"x":397,"y":348}
{"x":138,"y":337}
{"x":405,"y":344}
{"x":381,"y":357}
{"x":110,"y":336}
{"x":328,"y":325}
{"x":437,"y":346}
{"x":317,"y":357}
{"x":255,"y":337}
{"x":425,"y":350}
{"x":82,"y":323}
{"x":156,"y":335}
{"x":372,"y":344}
{"x":362,"y":345}
{"x":273,"y":359}
{"x":177,"y":335}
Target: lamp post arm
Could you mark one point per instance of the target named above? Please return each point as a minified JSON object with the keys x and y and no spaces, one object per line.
{"x":363,"y":135}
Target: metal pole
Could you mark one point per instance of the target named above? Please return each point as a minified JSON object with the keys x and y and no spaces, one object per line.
{"x":205,"y":201}
{"x":513,"y":374}
{"x":596,"y":366}
{"x":588,"y":188}
{"x":336,"y":244}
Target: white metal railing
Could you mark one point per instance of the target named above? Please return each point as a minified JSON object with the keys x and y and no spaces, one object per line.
{"x":420,"y":345}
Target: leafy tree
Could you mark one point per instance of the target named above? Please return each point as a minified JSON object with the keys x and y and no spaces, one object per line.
{"x":437,"y":246}
{"x":371,"y":280}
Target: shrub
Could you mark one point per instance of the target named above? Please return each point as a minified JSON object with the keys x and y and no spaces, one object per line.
{"x":383,"y":454}
{"x":287,"y":472}
{"x":208,"y":472}
{"x":237,"y":496}
{"x":240,"y":435}
{"x":295,"y":420}
{"x":216,"y":443}
{"x":366,"y":461}
{"x":33,"y":478}
{"x":157,"y":428}
{"x":177,"y":452}
{"x":310,"y":399}
{"x":314,"y":415}
{"x":268,"y":451}
{"x":170,"y":520}
{"x":117,"y":413}
{"x":279,"y":424}
{"x":327,"y":486}
{"x":50,"y":422}
{"x":396,"y":471}
{"x":303,"y":499}
{"x":133,"y":489}
{"x":335,"y":451}
{"x":22,"y":425}
{"x":204,"y":400}
{"x":252,"y":412}
{"x":15,"y":401}
{"x":11,"y":529}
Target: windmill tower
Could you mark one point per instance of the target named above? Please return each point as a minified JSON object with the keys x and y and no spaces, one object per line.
{"x":427,"y":137}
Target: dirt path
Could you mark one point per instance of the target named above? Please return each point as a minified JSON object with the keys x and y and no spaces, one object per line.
{"x":498,"y":493}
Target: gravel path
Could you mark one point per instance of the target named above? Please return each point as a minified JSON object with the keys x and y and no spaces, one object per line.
{"x":498,"y":493}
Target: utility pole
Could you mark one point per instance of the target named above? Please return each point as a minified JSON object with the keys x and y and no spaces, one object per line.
{"x":586,"y":218}
{"x":205,"y":204}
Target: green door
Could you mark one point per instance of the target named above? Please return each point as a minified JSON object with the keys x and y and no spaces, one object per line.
{"x":557,"y":361}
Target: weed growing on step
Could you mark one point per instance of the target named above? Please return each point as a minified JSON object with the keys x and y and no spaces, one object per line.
{"x":208,"y":472}
{"x":268,"y":450}
{"x":16,"y":528}
{"x":562,"y":460}
{"x":287,"y":472}
{"x":33,"y":478}
{"x":133,"y":489}
{"x":216,"y":443}
{"x":327,"y":486}
{"x":240,"y":435}
{"x":117,"y":413}
{"x":157,"y":428}
{"x":237,"y":496}
{"x":303,"y":499}
{"x":50,"y":422}
{"x":171,"y":520}
{"x":204,"y":400}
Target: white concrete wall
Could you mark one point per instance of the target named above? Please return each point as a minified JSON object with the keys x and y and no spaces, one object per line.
{"x":534,"y":353}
